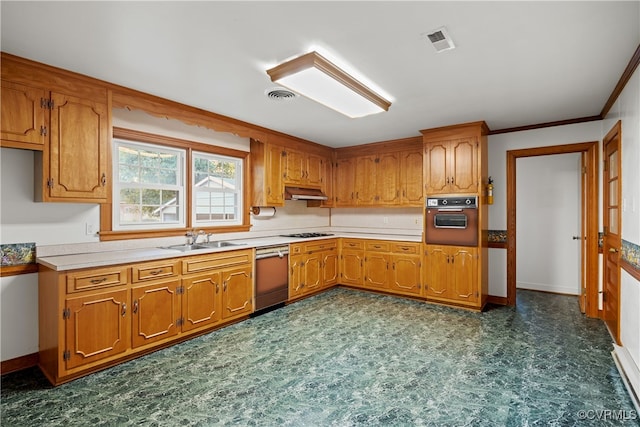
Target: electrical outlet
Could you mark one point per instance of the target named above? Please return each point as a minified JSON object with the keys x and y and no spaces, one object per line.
{"x":385,"y":219}
{"x":90,"y":229}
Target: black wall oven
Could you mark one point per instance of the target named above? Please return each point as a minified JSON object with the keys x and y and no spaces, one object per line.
{"x":452,"y":221}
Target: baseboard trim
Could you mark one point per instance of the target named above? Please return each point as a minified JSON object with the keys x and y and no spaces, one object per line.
{"x":492,"y":299}
{"x":19,"y":363}
{"x":629,"y":372}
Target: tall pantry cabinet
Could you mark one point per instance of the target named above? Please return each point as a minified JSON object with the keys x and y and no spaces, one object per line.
{"x":455,"y":164}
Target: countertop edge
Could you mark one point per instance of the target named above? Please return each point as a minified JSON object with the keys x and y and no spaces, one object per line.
{"x":108,"y":258}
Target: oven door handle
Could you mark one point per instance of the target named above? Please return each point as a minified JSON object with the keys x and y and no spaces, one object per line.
{"x":449,"y":210}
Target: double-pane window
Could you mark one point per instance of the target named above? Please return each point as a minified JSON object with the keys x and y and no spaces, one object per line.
{"x":149,"y":189}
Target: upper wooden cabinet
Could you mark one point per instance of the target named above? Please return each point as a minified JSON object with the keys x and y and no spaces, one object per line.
{"x":453,"y":159}
{"x":303,"y":169}
{"x":392,"y":176}
{"x":79,"y":140}
{"x":275,"y":165}
{"x":345,"y":182}
{"x":267,"y":173}
{"x":67,"y":121}
{"x":24,"y":122}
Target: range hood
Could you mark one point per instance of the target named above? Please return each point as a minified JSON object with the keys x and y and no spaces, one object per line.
{"x":297,"y":193}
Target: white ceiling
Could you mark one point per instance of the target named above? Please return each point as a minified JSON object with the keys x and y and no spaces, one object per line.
{"x":516,"y":63}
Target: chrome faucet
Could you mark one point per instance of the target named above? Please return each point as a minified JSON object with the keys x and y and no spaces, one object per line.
{"x":209,"y":236}
{"x":193,"y":235}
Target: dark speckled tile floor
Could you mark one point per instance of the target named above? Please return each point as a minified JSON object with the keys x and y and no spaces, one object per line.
{"x":348,"y":358}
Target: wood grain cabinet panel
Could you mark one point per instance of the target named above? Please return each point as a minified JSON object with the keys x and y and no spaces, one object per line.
{"x":237,"y":292}
{"x":312,"y":267}
{"x":96,"y":328}
{"x":201,"y":300}
{"x":345,"y":182}
{"x":155,"y":312}
{"x":24,"y":122}
{"x":352,"y":262}
{"x":452,"y":274}
{"x":97,"y":278}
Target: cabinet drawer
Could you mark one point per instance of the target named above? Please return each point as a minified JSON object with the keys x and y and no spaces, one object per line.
{"x":352,"y":244}
{"x":405,"y":248}
{"x":96,"y":278}
{"x":215,"y":260}
{"x":378,"y":246}
{"x":323,"y":245}
{"x":155,"y":270}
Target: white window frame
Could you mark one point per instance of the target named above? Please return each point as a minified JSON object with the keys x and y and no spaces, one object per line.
{"x":238,"y":192}
{"x":117,"y":186}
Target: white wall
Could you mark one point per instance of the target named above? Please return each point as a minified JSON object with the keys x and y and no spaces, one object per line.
{"x":406,"y":221}
{"x":498,"y":146}
{"x":627,"y":109}
{"x":547,"y":218}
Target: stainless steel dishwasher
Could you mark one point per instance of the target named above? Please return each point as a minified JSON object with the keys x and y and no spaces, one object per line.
{"x":272,"y":278}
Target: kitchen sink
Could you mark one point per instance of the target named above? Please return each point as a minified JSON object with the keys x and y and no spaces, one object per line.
{"x":220,"y":244}
{"x":186,"y":248}
{"x":207,"y":245}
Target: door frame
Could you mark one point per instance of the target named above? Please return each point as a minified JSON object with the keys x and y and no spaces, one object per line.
{"x":591,"y":150}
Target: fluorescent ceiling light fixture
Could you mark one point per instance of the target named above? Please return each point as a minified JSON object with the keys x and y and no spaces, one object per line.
{"x":313,"y":76}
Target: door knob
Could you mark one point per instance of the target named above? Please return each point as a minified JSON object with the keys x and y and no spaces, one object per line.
{"x":613,"y":250}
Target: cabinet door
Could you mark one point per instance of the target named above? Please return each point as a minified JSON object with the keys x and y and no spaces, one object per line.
{"x":345,"y":181}
{"x":274,"y":173}
{"x":78,"y":142}
{"x":464,"y":166}
{"x":237,"y":292}
{"x":376,"y":271}
{"x":312,"y":272}
{"x":387,"y":179}
{"x":296,"y":276}
{"x":24,"y":122}
{"x":329,"y":268}
{"x":201,"y":300}
{"x":327,"y":183}
{"x":411,"y":178}
{"x":435,"y":168}
{"x":294,"y":167}
{"x":155,"y":310}
{"x":437,"y":274}
{"x":405,"y":274}
{"x":352,"y":267}
{"x":314,"y":170}
{"x":365,"y":180}
{"x":96,"y":327}
{"x":464,"y":283}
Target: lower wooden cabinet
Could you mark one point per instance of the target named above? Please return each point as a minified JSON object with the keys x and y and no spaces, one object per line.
{"x":93,"y":318}
{"x":96,"y":327}
{"x":313,"y":266}
{"x":352,"y":262}
{"x":452,"y":274}
{"x":155,"y":312}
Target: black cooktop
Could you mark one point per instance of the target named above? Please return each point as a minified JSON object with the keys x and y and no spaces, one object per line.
{"x":306,"y":235}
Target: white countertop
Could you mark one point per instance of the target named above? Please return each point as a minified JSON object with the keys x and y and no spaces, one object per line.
{"x":105,"y":258}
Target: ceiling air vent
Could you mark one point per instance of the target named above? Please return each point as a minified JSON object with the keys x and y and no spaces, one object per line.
{"x":440,"y":40}
{"x":279,"y":94}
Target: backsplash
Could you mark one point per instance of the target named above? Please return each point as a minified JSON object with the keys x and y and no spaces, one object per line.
{"x":18,"y":253}
{"x":631,"y":253}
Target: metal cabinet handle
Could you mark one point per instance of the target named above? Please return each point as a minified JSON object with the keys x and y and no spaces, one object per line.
{"x":135,"y":307}
{"x":155,"y":272}
{"x":103,"y":180}
{"x":96,"y":281}
{"x":124,"y":309}
{"x":613,"y":250}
